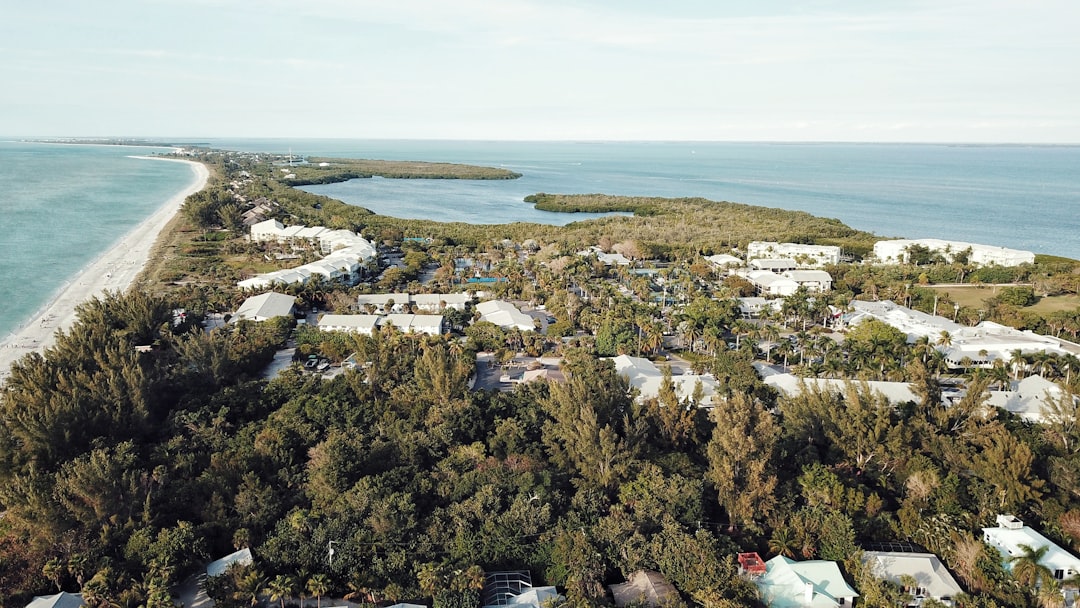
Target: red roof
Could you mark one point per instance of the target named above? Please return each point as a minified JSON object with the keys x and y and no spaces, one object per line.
{"x":751,"y":563}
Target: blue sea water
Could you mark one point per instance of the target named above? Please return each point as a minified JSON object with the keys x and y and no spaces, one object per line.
{"x":63,"y":205}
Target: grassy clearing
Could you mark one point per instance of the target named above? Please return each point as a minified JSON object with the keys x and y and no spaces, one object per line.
{"x":975,"y":296}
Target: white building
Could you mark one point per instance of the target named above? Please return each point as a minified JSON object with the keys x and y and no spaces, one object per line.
{"x":791,"y":385}
{"x":384,"y":302}
{"x":932,"y":579}
{"x":437,"y":302}
{"x":815,"y":281}
{"x":914,"y":323}
{"x":356,"y":324}
{"x":647,"y":378}
{"x":723,"y":260}
{"x":1011,"y":532}
{"x":773,"y":264}
{"x":346,"y":254}
{"x":505,"y":315}
{"x":608,"y":259}
{"x":265,"y":306}
{"x":365,"y":324}
{"x":812,"y":583}
{"x":1027,"y":398}
{"x":896,"y":252}
{"x":989,"y":341}
{"x":769,"y":283}
{"x":242,"y":557}
{"x":807,"y":256}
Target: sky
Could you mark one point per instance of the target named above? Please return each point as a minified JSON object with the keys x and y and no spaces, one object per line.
{"x":983,"y":71}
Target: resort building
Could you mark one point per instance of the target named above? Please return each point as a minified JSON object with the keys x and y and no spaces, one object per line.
{"x":932,"y":579}
{"x":787,"y":583}
{"x":773,"y":264}
{"x":1027,"y":398}
{"x":898,"y":252}
{"x":505,"y":315}
{"x":383,"y":302}
{"x":347,"y":254}
{"x":769,"y":283}
{"x":265,"y":306}
{"x":646,"y":377}
{"x":433,"y":325}
{"x":791,"y":385}
{"x":1011,"y":536}
{"x":723,"y":261}
{"x":807,"y":256}
{"x":914,"y":323}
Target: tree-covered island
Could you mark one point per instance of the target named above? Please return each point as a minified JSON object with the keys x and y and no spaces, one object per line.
{"x":151,"y":439}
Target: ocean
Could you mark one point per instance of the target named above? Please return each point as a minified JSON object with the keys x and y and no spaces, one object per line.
{"x":63,"y":205}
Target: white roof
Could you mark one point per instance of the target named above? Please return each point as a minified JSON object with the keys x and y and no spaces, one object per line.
{"x":808,"y":276}
{"x":356,"y":323}
{"x":59,"y":600}
{"x":785,"y":583}
{"x":217,"y":568}
{"x":1027,"y":398}
{"x":914,"y":323}
{"x":927,"y":570}
{"x":434,"y":299}
{"x":647,"y":378}
{"x":380,"y":299}
{"x":723,"y":259}
{"x":1008,"y":540}
{"x":791,"y":386}
{"x":505,"y":315}
{"x":425,"y":324}
{"x":265,"y":306}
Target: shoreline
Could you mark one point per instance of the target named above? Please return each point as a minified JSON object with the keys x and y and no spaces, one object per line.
{"x":114,"y":270}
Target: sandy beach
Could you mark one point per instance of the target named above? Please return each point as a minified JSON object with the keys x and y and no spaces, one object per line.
{"x":114,"y":270}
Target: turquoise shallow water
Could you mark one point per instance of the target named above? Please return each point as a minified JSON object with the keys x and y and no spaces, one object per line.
{"x":61,"y":206}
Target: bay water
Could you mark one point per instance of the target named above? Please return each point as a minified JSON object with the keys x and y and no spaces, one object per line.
{"x":64,"y":205}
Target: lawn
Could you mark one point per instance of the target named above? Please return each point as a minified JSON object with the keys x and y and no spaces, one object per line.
{"x":976,"y":295}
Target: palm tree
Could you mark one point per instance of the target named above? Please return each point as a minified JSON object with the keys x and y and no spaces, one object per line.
{"x":318,"y":585}
{"x":1027,"y":568}
{"x":783,"y":542}
{"x":280,"y":588}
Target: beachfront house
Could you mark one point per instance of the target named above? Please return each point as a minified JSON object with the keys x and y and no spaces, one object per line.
{"x":265,"y":306}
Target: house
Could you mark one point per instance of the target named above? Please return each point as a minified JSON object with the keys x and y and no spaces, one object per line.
{"x":437,"y":302}
{"x":265,"y":306}
{"x":647,"y":378}
{"x":514,"y":588}
{"x":644,"y":587}
{"x":817,"y":281}
{"x":505,"y":315}
{"x":608,"y":259}
{"x":818,"y":583}
{"x":752,"y":308}
{"x":807,"y":256}
{"x":1010,"y":533}
{"x":356,"y":324}
{"x":221,"y":566}
{"x":932,"y":579}
{"x":898,"y":252}
{"x":1027,"y":398}
{"x":916,"y":324}
{"x":60,"y":600}
{"x":432,"y":325}
{"x":384,"y":302}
